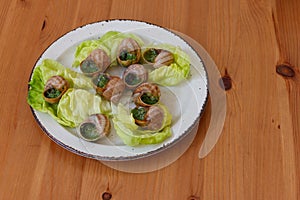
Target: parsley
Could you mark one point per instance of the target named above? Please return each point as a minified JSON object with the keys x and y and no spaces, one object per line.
{"x":151,"y":54}
{"x":102,"y":80}
{"x":148,"y":98}
{"x":52,"y":93}
{"x":124,"y":55}
{"x":89,"y":66}
{"x":139,"y":113}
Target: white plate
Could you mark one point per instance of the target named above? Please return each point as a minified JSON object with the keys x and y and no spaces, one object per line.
{"x":185,"y":101}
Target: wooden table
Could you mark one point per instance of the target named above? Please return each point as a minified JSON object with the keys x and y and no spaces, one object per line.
{"x":257,"y":44}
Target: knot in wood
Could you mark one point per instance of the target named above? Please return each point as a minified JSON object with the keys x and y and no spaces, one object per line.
{"x":106,"y":196}
{"x":193,"y":198}
{"x":285,"y":70}
{"x":225,"y":82}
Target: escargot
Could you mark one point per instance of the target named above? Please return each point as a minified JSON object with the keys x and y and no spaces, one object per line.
{"x":110,"y":87}
{"x":150,"y":118}
{"x":55,"y":87}
{"x":146,"y":94}
{"x":129,"y":52}
{"x":134,"y":75}
{"x":97,"y":62}
{"x":96,"y":126}
{"x":157,"y":57}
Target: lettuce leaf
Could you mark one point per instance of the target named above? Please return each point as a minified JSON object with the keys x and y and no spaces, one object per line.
{"x":174,"y":73}
{"x":109,"y":42}
{"x":50,"y":67}
{"x":77,"y":104}
{"x":39,"y":78}
{"x":85,"y":48}
{"x":130,"y":133}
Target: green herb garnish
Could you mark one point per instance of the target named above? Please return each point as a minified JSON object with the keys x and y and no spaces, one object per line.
{"x":148,"y":98}
{"x":102,"y":80}
{"x":151,"y":54}
{"x":139,"y":113}
{"x":124,"y":55}
{"x":52,"y":93}
{"x":89,"y":131}
{"x":89,"y":66}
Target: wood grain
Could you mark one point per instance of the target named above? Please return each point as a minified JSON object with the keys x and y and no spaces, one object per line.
{"x":258,"y":154}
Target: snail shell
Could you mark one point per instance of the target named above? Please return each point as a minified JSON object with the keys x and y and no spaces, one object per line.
{"x":112,"y":89}
{"x":158,"y":57}
{"x":139,"y":115}
{"x":97,"y":78}
{"x":134,"y":75}
{"x":153,"y":118}
{"x":94,"y":127}
{"x":55,"y":84}
{"x":146,"y":91}
{"x":163,"y":58}
{"x":97,"y":62}
{"x":128,"y":46}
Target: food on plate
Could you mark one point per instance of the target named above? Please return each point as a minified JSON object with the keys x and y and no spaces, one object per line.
{"x":43,"y":72}
{"x":134,"y":75}
{"x":167,"y":74}
{"x":110,"y":87}
{"x":109,"y":42}
{"x":133,"y":135}
{"x":139,"y":115}
{"x":129,"y":52}
{"x":174,"y":73}
{"x":55,"y":87}
{"x":150,"y":118}
{"x":95,"y":63}
{"x":146,"y":94}
{"x":75,"y":104}
{"x":94,"y":127}
{"x":100,"y":81}
{"x":86,"y":99}
{"x":158,"y":57}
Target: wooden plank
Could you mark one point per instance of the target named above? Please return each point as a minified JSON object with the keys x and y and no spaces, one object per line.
{"x":286,"y":25}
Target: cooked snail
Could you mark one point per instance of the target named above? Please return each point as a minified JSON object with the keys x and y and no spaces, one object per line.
{"x":158,"y":57}
{"x":146,"y":94}
{"x":55,"y":87}
{"x":129,"y":52}
{"x":134,"y":75}
{"x":110,"y":87}
{"x":100,"y":81}
{"x":94,"y":127}
{"x":95,"y":63}
{"x":150,"y":118}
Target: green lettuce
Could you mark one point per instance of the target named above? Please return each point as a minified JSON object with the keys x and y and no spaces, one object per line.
{"x":76,"y":80}
{"x":165,"y":75}
{"x":175,"y":73}
{"x":50,"y":67}
{"x":130,"y":133}
{"x":108,"y":42}
{"x":85,"y":48}
{"x":39,"y":78}
{"x":77,"y":104}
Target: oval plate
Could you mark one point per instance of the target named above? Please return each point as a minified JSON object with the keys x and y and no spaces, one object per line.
{"x":185,"y":101}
